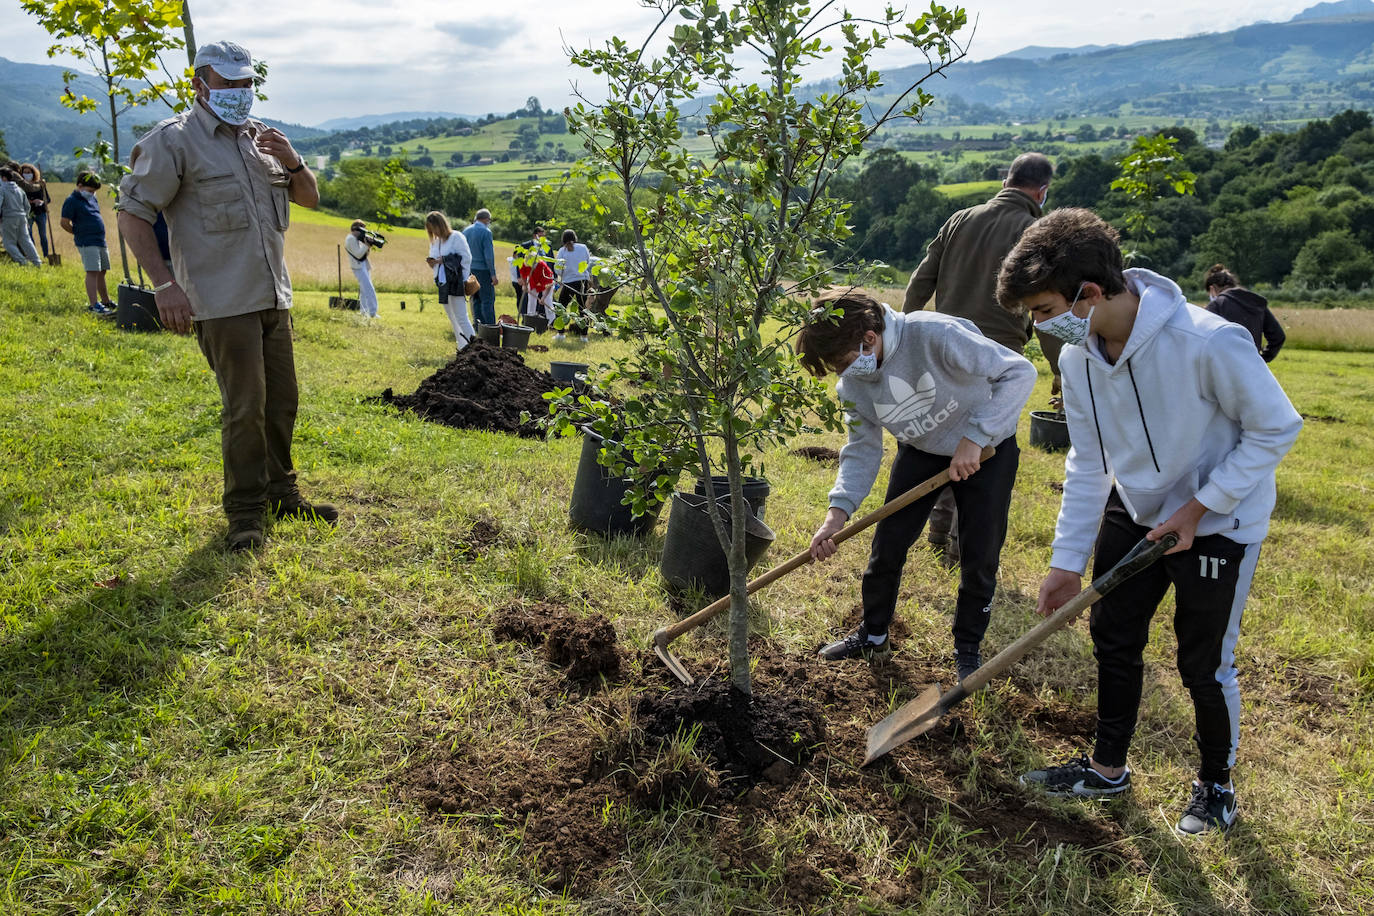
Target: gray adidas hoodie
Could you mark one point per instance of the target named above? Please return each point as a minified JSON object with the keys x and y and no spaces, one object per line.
{"x":940,"y":381}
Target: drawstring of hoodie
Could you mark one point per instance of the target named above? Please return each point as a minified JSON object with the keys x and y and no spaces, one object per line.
{"x":1092,"y":400}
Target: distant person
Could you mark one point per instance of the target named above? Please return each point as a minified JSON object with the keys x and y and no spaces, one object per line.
{"x":81,"y":217}
{"x":483,"y":266}
{"x":574,"y":270}
{"x":1250,"y":310}
{"x":944,"y":391}
{"x":225,"y":183}
{"x":14,"y":220}
{"x":358,"y":244}
{"x":1175,"y":429}
{"x":40,"y":202}
{"x":451,"y":258}
{"x":960,"y":270}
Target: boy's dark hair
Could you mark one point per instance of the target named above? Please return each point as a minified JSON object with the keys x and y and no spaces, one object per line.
{"x":1059,"y":252}
{"x":823,"y":341}
{"x":87,"y":180}
{"x":6,"y":174}
{"x":1221,"y":278}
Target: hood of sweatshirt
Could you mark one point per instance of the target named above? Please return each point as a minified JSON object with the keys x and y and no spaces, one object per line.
{"x":1160,"y":297}
{"x":1251,"y":302}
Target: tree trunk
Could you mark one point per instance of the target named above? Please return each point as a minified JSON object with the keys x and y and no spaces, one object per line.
{"x":189,"y":32}
{"x":114,"y":141}
{"x":740,"y":675}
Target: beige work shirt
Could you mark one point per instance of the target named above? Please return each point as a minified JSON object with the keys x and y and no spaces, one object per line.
{"x":227,"y":208}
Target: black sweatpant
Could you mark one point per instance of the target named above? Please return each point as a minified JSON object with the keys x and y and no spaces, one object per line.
{"x":1211,"y":583}
{"x":983,"y":501}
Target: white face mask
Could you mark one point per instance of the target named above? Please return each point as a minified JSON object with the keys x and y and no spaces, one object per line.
{"x":864,"y":364}
{"x":1067,"y":326}
{"x":231,"y":105}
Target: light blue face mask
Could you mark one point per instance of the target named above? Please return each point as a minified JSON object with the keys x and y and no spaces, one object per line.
{"x":1067,"y":326}
{"x":864,"y":364}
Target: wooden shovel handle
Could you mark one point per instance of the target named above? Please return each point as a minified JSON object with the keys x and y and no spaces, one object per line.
{"x":777,"y":572}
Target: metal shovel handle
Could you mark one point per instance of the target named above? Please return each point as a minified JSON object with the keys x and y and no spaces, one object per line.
{"x":669,"y":633}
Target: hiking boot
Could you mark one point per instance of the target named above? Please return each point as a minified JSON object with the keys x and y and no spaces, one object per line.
{"x":946,"y":550}
{"x":967,"y":661}
{"x":296,"y":507}
{"x":244,"y":534}
{"x":1076,"y":777}
{"x":1212,"y":807}
{"x":855,"y":645}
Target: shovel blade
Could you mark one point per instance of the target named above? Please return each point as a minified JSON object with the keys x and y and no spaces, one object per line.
{"x":914,"y":718}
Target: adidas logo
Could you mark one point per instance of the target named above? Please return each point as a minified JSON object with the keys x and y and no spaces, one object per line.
{"x":913,"y":408}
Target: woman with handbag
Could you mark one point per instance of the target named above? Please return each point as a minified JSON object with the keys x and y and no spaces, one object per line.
{"x":451,"y":259}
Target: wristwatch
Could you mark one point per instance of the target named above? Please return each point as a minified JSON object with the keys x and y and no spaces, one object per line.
{"x":299,"y":167}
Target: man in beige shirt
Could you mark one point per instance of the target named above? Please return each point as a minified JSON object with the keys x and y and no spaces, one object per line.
{"x":224,"y":183}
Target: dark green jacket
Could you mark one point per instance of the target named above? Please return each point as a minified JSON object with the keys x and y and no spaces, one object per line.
{"x":960,"y":267}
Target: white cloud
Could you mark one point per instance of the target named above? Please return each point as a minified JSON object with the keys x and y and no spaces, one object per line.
{"x":335,"y":58}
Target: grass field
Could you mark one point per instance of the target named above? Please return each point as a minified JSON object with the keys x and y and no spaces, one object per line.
{"x":186,"y":731}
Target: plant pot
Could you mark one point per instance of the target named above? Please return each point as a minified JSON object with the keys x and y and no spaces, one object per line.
{"x":136,"y":309}
{"x":515,"y":337}
{"x":341,"y":302}
{"x":539,"y":323}
{"x":596,"y":497}
{"x":692,"y":555}
{"x":1049,"y":430}
{"x":756,"y":490}
{"x":565,"y":371}
{"x":491,"y":333}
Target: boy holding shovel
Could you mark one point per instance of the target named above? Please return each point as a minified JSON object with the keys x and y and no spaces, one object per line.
{"x":1177,"y":426}
{"x":944,"y":391}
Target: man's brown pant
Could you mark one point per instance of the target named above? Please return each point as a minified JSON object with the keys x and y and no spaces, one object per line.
{"x":253,"y":361}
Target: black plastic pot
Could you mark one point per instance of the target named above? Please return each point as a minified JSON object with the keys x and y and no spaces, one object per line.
{"x":136,"y":309}
{"x":692,"y":555}
{"x":565,"y":371}
{"x":596,"y":497}
{"x":756,"y":490}
{"x":515,"y":337}
{"x":539,"y":323}
{"x":491,"y":333}
{"x":1049,"y":430}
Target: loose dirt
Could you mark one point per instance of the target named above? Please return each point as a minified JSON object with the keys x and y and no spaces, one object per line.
{"x":483,"y":387}
{"x":584,"y":647}
{"x":768,"y":781}
{"x":817,"y":453}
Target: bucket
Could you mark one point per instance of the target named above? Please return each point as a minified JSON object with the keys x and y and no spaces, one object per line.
{"x":692,"y":555}
{"x":539,"y":323}
{"x":136,"y":309}
{"x":565,"y":371}
{"x":596,"y":496}
{"x":1049,"y":430}
{"x":756,"y":490}
{"x":491,"y":333}
{"x":515,"y":337}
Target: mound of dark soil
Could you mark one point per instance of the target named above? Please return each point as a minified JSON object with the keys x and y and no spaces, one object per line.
{"x":585,"y":647}
{"x":483,"y":387}
{"x":818,"y":453}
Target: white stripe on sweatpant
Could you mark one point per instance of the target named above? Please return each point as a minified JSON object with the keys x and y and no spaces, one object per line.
{"x":1226,"y":672}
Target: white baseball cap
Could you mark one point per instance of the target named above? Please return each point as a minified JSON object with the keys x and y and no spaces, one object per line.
{"x":229,"y":60}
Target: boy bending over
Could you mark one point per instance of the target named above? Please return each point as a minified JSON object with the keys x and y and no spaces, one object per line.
{"x":1177,"y":425}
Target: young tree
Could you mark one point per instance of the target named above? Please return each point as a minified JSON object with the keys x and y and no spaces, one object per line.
{"x":725,"y":243}
{"x":1151,"y":169}
{"x":122,"y":41}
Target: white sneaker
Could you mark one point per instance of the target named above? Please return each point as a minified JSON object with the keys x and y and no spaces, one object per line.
{"x":558,"y":336}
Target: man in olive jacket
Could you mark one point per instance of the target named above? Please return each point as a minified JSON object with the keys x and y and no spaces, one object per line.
{"x":960,"y":270}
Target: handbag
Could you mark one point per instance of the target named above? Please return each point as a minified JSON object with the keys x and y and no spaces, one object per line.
{"x":471,"y":286}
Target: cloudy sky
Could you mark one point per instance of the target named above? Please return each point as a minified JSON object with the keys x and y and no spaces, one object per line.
{"x":337,"y":58}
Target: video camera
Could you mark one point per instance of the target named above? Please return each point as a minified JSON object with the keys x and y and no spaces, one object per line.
{"x":375,"y":239}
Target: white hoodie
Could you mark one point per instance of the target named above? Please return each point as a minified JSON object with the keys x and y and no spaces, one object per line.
{"x":1189,"y":409}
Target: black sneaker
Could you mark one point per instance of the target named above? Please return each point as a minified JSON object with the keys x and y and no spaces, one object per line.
{"x":1212,"y":807}
{"x":1076,"y":777}
{"x":967,"y":661}
{"x":855,"y":645}
{"x":244,"y":534}
{"x":299,"y":508}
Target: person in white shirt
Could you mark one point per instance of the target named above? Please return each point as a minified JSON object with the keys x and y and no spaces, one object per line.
{"x":451,"y":259}
{"x":358,"y":244}
{"x":574,"y":268}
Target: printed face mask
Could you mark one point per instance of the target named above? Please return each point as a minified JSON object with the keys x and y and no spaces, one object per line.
{"x":1067,"y":326}
{"x":231,"y":105}
{"x":864,"y":364}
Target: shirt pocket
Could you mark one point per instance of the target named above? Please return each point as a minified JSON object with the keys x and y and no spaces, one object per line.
{"x":281,"y":206}
{"x":223,"y":205}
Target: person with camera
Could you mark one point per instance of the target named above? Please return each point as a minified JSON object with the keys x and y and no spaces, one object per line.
{"x":359,"y":242}
{"x":225,"y":183}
